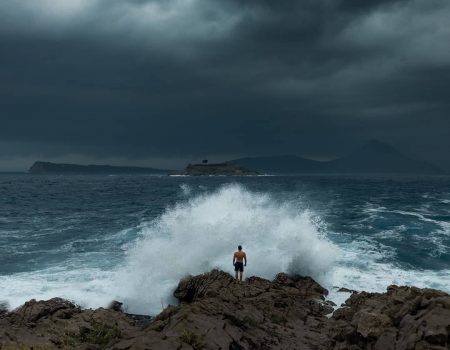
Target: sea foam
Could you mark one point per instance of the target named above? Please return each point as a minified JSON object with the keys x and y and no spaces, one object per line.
{"x":202,"y":232}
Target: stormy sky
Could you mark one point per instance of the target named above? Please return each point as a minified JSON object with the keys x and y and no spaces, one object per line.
{"x":165,"y":82}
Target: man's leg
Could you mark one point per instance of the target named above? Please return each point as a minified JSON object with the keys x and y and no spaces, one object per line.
{"x":236,"y":275}
{"x":240,"y":276}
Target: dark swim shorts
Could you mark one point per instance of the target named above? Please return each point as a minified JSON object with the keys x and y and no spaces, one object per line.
{"x":239,"y":267}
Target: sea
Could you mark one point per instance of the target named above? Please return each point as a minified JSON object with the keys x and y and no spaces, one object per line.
{"x":97,"y":238}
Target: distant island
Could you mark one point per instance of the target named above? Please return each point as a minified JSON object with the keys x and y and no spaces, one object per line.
{"x":56,"y":168}
{"x":374,"y":157}
{"x":217,"y":169}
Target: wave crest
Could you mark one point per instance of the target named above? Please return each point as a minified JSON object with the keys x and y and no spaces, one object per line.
{"x":201,"y":233}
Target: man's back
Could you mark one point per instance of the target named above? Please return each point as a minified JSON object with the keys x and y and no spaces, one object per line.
{"x":240,"y":256}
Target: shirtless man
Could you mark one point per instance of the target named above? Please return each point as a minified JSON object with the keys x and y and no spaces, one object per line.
{"x":239,"y":261}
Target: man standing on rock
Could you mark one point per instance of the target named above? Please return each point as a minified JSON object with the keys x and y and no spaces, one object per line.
{"x":239,"y":261}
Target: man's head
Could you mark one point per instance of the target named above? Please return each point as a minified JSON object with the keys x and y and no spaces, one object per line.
{"x":239,"y":247}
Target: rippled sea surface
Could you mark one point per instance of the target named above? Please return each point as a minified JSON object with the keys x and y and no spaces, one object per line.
{"x":97,"y":238}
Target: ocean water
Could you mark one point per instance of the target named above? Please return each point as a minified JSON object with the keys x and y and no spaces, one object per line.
{"x":131,"y":238}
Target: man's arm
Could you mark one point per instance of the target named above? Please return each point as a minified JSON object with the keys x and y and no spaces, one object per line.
{"x":245,"y":259}
{"x":234,"y":257}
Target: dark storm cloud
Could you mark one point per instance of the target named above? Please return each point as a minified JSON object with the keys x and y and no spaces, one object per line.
{"x":186,"y":78}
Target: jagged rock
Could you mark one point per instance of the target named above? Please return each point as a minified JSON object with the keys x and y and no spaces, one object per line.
{"x":115,"y":305}
{"x":3,"y":307}
{"x":58,"y":324}
{"x":346,"y":290}
{"x":402,"y":318}
{"x":32,"y":311}
{"x":258,"y":314}
{"x":215,"y":312}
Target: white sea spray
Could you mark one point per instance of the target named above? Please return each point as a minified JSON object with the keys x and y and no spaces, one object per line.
{"x":201,"y":233}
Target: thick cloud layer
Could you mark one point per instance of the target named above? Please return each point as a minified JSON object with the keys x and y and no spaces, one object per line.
{"x":163,"y":82}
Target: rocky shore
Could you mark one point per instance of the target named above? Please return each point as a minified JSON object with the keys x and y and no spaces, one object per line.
{"x":214,"y":312}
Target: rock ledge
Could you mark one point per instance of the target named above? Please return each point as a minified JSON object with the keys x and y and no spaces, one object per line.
{"x":216,"y":313}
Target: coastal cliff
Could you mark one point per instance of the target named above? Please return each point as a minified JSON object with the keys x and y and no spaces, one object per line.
{"x":214,"y":312}
{"x":58,"y":168}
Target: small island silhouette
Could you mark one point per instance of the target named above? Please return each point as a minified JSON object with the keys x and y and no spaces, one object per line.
{"x":217,"y":169}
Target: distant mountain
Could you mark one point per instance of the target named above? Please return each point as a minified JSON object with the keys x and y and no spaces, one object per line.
{"x":374,"y":157}
{"x":286,"y":164}
{"x":379,"y":157}
{"x":56,"y":168}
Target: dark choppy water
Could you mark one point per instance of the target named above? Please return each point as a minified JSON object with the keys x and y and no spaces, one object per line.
{"x":97,"y":238}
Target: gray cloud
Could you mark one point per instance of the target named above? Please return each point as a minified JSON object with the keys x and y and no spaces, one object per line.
{"x":180,"y":79}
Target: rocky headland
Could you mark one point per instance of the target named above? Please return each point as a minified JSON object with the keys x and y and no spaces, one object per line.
{"x":214,"y":312}
{"x":60,"y":169}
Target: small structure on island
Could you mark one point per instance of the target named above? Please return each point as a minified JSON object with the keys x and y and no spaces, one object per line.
{"x":217,"y":169}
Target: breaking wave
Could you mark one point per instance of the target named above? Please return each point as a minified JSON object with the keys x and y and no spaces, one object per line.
{"x":201,"y":233}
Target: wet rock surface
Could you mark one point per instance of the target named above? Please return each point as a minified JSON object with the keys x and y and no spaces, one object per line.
{"x":402,"y":318}
{"x":215,"y":312}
